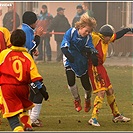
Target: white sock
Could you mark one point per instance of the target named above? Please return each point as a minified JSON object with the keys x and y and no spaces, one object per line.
{"x":87,"y":94}
{"x":74,"y":91}
{"x":35,"y":112}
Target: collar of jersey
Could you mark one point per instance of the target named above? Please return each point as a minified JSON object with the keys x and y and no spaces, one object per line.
{"x":21,"y":49}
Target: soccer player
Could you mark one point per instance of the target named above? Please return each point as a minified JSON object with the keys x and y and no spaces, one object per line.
{"x":98,"y":75}
{"x":4,"y":38}
{"x":33,"y":35}
{"x":75,"y":43}
{"x":4,"y":43}
{"x":17,"y":71}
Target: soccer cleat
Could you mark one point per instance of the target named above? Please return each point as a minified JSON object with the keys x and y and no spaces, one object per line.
{"x":94,"y":122}
{"x":120,"y":118}
{"x":37,"y":123}
{"x":78,"y":105}
{"x":28,"y":127}
{"x":87,"y":105}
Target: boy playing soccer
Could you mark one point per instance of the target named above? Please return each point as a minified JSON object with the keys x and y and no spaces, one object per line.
{"x":99,"y":78}
{"x":17,"y":71}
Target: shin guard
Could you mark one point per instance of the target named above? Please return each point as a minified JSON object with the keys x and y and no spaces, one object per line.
{"x":113,"y":105}
{"x":25,"y":120}
{"x":87,"y":94}
{"x":74,"y":90}
{"x":97,"y":106}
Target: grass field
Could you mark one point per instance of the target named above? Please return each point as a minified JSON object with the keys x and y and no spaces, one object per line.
{"x":58,"y":113}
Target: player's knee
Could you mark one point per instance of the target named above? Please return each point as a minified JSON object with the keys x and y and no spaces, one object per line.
{"x":101,"y":93}
{"x":110,"y":92}
{"x":71,"y":83}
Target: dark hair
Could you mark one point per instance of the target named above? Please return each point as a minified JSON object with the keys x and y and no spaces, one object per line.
{"x":29,"y":18}
{"x":79,"y":6}
{"x":44,"y":6}
{"x":107,"y":30}
{"x":60,"y":9}
{"x":18,"y":38}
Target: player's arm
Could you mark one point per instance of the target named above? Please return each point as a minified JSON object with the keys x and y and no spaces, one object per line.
{"x":122,"y":32}
{"x":37,"y":40}
{"x":38,"y":34}
{"x":36,"y":43}
{"x":67,"y":54}
{"x":65,"y":45}
{"x":36,"y":79}
{"x":91,"y":52}
{"x":7,"y":35}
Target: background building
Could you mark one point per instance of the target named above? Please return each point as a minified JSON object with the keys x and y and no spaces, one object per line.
{"x":118,"y":14}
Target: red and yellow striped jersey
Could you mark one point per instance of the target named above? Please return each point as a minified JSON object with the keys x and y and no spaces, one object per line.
{"x":4,"y":38}
{"x":17,"y":67}
{"x":102,"y":47}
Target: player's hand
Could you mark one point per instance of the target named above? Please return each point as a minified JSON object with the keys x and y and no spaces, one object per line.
{"x":87,"y":49}
{"x":44,"y":92}
{"x":94,"y":59}
{"x":36,"y":52}
{"x":39,"y":31}
{"x":46,"y":96}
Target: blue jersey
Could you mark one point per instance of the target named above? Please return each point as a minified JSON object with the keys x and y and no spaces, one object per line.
{"x":30,"y":43}
{"x":75,"y":44}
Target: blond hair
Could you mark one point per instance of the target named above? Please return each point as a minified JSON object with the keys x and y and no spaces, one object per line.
{"x":85,"y":20}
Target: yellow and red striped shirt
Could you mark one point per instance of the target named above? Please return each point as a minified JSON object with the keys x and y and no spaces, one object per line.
{"x":17,"y":67}
{"x":101,"y":46}
{"x":4,"y":38}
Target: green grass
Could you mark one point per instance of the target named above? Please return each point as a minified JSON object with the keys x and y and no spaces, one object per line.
{"x":58,"y":112}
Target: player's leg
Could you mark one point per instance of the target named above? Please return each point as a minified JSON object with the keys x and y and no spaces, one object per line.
{"x":73,"y":88}
{"x":88,"y":90}
{"x":35,"y":111}
{"x":115,"y":111}
{"x":15,"y":124}
{"x":98,"y":101}
{"x":112,"y":102}
{"x":25,"y":120}
{"x":100,"y":83}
